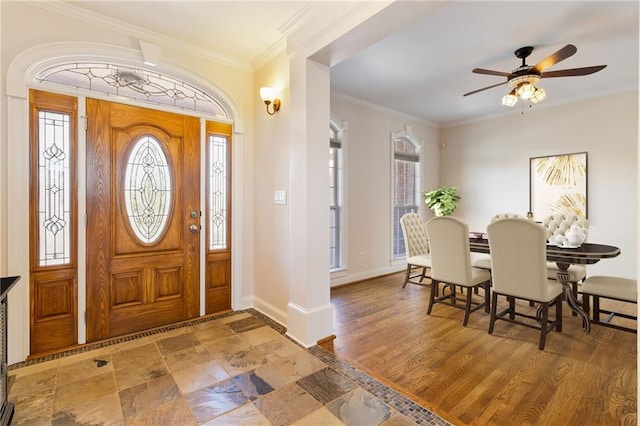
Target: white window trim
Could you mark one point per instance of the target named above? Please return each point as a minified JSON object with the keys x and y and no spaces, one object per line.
{"x":409,"y":135}
{"x":342,"y":129}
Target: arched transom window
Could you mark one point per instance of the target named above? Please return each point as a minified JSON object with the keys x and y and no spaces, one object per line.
{"x":133,"y":83}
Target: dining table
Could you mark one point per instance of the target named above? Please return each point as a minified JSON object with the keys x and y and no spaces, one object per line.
{"x":585,"y":254}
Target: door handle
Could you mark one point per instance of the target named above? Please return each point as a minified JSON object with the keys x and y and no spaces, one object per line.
{"x":194,"y":228}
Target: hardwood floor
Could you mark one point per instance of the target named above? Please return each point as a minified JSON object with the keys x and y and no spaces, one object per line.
{"x":470,"y":377}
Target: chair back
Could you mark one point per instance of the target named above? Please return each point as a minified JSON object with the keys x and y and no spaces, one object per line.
{"x":559,"y":223}
{"x":519,"y":258}
{"x":449,"y":246}
{"x":501,"y":216}
{"x":415,"y":236}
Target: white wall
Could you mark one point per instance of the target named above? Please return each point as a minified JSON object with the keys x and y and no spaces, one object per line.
{"x":368,"y":176}
{"x":489,"y":162}
{"x":270,"y":168}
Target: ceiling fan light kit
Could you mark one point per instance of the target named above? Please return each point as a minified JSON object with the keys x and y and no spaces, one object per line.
{"x":522,"y":80}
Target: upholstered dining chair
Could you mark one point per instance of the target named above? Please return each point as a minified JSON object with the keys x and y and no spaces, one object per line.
{"x":610,"y":287}
{"x":451,"y":265}
{"x":519,"y":271}
{"x":500,"y":216}
{"x":559,"y":224}
{"x":416,"y":248}
{"x":481,"y":260}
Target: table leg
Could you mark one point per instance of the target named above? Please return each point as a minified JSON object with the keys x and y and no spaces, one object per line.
{"x":563,"y":278}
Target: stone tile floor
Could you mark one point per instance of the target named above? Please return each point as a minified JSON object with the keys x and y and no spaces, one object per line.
{"x":233,"y":369}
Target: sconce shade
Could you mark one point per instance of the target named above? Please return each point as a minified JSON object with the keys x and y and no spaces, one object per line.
{"x":268,"y":95}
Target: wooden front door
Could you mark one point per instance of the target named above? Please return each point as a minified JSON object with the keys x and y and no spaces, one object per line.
{"x":143,"y":218}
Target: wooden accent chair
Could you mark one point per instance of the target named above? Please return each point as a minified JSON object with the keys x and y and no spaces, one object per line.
{"x":451,"y":265}
{"x":519,"y":271}
{"x":416,"y":248}
{"x":622,"y":289}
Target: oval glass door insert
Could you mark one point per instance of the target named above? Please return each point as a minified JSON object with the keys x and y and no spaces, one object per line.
{"x":147,"y":189}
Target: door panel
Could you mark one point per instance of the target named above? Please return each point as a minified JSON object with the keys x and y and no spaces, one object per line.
{"x":143,"y":183}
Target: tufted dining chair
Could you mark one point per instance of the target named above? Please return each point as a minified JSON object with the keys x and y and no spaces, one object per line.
{"x":503,"y":216}
{"x":451,"y":265}
{"x":559,"y":224}
{"x":416,"y":248}
{"x":481,"y":260}
{"x":519,"y":271}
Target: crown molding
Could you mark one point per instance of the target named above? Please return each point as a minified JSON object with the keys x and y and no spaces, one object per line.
{"x":375,"y":107}
{"x":269,"y":54}
{"x":68,"y":10}
{"x":286,"y":29}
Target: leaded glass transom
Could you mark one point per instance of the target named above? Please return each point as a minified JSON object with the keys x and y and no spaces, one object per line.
{"x":147,"y":189}
{"x":54,"y":183}
{"x":133,"y":83}
{"x":218,"y":180}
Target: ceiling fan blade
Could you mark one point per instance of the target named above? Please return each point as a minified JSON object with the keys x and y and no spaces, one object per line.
{"x":490,"y":72}
{"x":485,"y":88}
{"x":560,"y":55}
{"x":572,"y":72}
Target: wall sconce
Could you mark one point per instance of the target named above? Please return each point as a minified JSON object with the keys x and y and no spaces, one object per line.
{"x":268,"y":95}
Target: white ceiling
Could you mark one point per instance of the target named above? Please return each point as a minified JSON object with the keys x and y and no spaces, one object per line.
{"x":424,"y":69}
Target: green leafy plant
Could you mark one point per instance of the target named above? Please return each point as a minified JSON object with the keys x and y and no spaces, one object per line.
{"x":442,"y":200}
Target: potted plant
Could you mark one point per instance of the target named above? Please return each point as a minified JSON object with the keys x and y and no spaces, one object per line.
{"x":442,"y":200}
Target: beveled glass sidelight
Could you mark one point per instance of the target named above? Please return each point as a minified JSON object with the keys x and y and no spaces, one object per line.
{"x":54,"y":197}
{"x":218,"y":175}
{"x":148,"y":189}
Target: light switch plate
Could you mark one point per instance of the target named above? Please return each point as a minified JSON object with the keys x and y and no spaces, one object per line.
{"x":279,"y":197}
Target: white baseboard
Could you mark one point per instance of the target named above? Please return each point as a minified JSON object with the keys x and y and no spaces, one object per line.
{"x":308,"y":326}
{"x":349,"y":278}
{"x":269,"y":310}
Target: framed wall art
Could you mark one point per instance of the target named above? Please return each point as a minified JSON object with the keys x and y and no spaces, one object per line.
{"x":558,"y":184}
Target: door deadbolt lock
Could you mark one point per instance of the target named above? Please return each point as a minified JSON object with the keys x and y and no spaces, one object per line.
{"x":193,"y":213}
{"x":194,"y":228}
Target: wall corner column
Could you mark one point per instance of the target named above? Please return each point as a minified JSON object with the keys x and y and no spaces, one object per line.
{"x":309,"y":311}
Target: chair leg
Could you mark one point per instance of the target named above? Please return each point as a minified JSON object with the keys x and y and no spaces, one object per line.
{"x":596,"y":308}
{"x":406,"y":277}
{"x":467,"y":308}
{"x":424,"y":274}
{"x":585,"y":303}
{"x":543,"y":329}
{"x":494,"y":303}
{"x":487,"y":297}
{"x":432,"y":294}
{"x":512,"y":307}
{"x":559,"y":314}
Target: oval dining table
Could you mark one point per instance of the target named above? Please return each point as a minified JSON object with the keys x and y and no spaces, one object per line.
{"x":585,"y":254}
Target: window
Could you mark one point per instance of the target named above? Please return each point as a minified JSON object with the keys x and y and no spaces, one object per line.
{"x":406,"y":168}
{"x":336,"y":210}
{"x":134,"y":83}
{"x":218,"y":185}
{"x":148,"y":189}
{"x":55,"y":191}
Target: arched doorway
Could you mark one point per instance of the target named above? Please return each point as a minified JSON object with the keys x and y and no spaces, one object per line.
{"x":216,"y":119}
